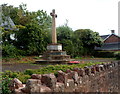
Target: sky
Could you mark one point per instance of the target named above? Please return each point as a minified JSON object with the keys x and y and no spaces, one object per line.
{"x":98,"y":15}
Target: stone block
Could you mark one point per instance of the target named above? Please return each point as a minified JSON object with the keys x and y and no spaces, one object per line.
{"x":70,"y":83}
{"x":75,"y":77}
{"x":62,"y":77}
{"x":44,"y":89}
{"x":93,"y":70}
{"x":15,"y":84}
{"x":85,"y":79}
{"x":68,"y":71}
{"x":60,"y":87}
{"x":97,"y":68}
{"x":79,"y":90}
{"x":101,"y":67}
{"x":87,"y":70}
{"x":80,"y":80}
{"x":25,"y":90}
{"x":36,"y":76}
{"x":49,"y":80}
{"x":33,"y":82}
{"x":92,"y":76}
{"x":18,"y":91}
{"x":54,"y":47}
{"x":33,"y":85}
{"x":72,"y":75}
{"x":105,"y":66}
{"x":79,"y":71}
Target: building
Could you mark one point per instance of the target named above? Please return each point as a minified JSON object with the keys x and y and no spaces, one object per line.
{"x":111,"y":42}
{"x":7,"y":23}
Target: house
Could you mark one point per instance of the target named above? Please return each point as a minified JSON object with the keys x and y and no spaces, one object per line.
{"x":7,"y":23}
{"x":111,"y":42}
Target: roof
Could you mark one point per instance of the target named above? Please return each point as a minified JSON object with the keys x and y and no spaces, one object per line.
{"x":109,"y":46}
{"x":104,"y":36}
{"x":7,"y":23}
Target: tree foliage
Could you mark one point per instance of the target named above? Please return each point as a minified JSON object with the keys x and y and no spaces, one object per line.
{"x":64,"y":36}
{"x":87,"y":39}
{"x":64,"y":32}
{"x":32,"y":33}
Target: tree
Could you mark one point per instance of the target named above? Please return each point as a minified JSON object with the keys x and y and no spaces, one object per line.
{"x":32,"y":34}
{"x":64,"y":35}
{"x":35,"y":37}
{"x":64,"y":32}
{"x":88,"y":39}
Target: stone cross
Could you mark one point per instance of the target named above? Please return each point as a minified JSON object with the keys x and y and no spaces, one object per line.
{"x":54,"y":36}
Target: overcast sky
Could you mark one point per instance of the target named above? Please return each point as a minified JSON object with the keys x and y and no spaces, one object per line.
{"x":98,"y":15}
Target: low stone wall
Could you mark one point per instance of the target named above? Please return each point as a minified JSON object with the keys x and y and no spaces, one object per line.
{"x":97,"y":78}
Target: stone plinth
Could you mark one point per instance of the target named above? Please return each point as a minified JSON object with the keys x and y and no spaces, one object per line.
{"x":54,"y":47}
{"x":54,"y":54}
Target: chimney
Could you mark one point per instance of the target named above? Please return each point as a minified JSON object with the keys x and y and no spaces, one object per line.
{"x":112,"y":31}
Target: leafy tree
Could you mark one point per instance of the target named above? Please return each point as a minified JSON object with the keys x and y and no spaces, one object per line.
{"x":88,"y":39}
{"x":64,"y":32}
{"x":35,"y":37}
{"x":64,"y":35}
{"x":32,"y":33}
{"x":78,"y":46}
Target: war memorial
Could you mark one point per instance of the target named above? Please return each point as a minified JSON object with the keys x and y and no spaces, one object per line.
{"x":54,"y":51}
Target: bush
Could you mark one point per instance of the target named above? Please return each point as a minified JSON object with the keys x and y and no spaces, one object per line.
{"x":5,"y":84}
{"x":20,"y":75}
{"x":23,"y":78}
{"x":10,"y":74}
{"x":117,"y":55}
{"x":104,"y":54}
{"x":10,"y":50}
{"x":29,"y":72}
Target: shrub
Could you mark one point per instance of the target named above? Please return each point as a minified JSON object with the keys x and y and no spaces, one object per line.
{"x":117,"y":55}
{"x":104,"y":54}
{"x":10,"y":50}
{"x":10,"y":74}
{"x":23,"y":78}
{"x":20,"y":75}
{"x":29,"y":71}
{"x":5,"y":84}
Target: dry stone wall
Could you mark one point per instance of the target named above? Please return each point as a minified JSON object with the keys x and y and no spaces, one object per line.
{"x":97,"y":78}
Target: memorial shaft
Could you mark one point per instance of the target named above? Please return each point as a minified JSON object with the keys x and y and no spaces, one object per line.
{"x":54,"y":36}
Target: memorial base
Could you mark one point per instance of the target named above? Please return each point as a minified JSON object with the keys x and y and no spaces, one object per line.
{"x":54,"y":54}
{"x":54,"y":47}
